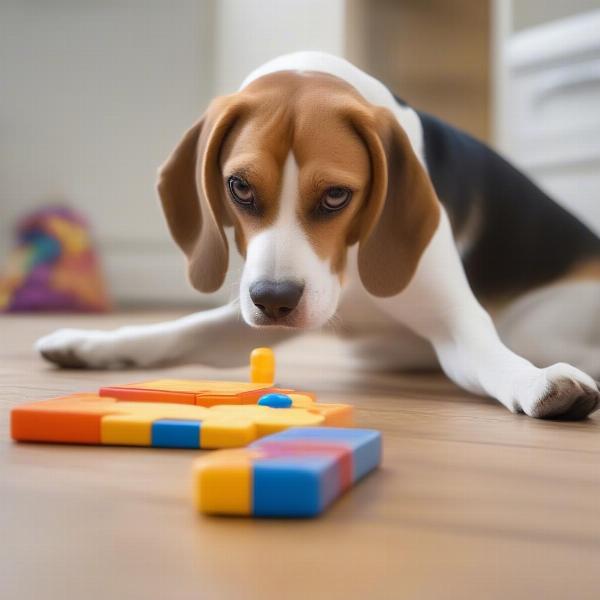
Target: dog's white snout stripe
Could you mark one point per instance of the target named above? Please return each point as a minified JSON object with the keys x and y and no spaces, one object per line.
{"x":283,"y":252}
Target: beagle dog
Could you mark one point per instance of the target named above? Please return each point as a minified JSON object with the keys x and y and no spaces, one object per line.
{"x":346,"y":202}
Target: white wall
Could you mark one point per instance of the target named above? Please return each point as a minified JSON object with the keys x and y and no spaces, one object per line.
{"x":93,"y":97}
{"x":250,"y":32}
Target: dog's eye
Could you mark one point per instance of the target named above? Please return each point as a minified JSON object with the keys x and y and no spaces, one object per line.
{"x":335,"y":198}
{"x":240,"y":191}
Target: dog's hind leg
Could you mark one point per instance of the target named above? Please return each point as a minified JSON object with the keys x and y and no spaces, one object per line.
{"x":554,"y":323}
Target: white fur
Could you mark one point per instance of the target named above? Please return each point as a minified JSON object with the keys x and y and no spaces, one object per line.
{"x":560,"y":320}
{"x":216,"y":337}
{"x":282,"y":251}
{"x":438,"y":304}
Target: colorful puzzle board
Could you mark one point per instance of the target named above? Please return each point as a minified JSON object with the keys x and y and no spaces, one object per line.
{"x":292,"y":465}
{"x":95,"y":419}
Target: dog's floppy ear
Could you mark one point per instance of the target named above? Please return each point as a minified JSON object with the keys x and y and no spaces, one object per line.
{"x":402,"y":210}
{"x":191,"y":193}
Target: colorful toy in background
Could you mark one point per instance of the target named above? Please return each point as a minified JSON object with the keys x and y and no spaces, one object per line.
{"x":54,"y":266}
{"x":302,"y":455}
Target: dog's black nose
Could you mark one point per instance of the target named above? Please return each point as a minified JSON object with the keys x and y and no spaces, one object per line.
{"x":276,"y":299}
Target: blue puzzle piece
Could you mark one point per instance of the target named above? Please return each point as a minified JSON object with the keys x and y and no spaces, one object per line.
{"x":172,"y":433}
{"x":275,"y":401}
{"x":294,"y":486}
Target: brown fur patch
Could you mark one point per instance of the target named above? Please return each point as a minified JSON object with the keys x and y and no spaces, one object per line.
{"x":589,"y":269}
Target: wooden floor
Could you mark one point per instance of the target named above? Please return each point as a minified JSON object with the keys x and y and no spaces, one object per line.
{"x":471,"y":502}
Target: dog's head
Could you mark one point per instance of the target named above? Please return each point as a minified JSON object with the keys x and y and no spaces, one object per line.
{"x":302,"y":167}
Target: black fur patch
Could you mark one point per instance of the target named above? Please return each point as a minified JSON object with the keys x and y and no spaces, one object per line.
{"x":524,"y":238}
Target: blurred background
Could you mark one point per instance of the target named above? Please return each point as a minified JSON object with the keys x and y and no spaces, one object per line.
{"x":95,"y":94}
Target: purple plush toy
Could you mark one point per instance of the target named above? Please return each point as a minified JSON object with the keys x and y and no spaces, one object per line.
{"x":53,"y":267}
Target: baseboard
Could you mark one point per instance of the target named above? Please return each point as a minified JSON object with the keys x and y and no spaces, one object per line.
{"x":150,"y":274}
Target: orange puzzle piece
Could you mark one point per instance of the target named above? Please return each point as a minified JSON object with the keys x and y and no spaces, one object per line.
{"x":201,"y":392}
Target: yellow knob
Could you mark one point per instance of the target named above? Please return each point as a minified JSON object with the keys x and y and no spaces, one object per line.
{"x":262,"y":366}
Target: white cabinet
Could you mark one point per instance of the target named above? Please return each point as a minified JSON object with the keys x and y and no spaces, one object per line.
{"x":551,"y":110}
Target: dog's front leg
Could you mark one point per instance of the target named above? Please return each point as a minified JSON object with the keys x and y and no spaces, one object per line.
{"x":217,"y":337}
{"x":439,"y":305}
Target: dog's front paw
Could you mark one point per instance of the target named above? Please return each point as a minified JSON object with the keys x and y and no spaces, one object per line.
{"x":79,"y":348}
{"x":561,"y":392}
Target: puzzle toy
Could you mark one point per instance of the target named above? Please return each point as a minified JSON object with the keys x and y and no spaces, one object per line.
{"x":93,"y":419}
{"x":299,"y":454}
{"x":294,"y":473}
{"x":177,"y":413}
